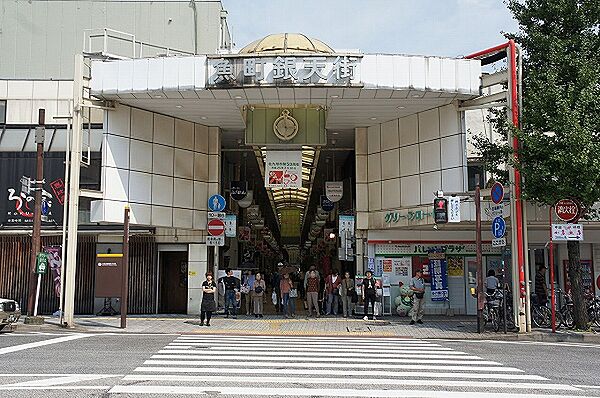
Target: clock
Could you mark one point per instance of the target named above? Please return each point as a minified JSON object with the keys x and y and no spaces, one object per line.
{"x":285,"y":126}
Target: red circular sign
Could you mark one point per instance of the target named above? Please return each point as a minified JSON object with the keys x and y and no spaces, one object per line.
{"x":216,"y":227}
{"x":567,"y":209}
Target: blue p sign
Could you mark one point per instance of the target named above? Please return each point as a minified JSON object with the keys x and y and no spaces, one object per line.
{"x":498,"y":227}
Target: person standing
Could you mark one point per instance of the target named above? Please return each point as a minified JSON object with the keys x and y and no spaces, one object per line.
{"x":247,"y":289}
{"x":285,"y":287}
{"x":541,"y":289}
{"x":346,"y":292}
{"x":275,"y":281}
{"x":312,"y":293}
{"x":332,"y":284}
{"x":417,"y":285}
{"x":258,"y":295}
{"x":208,"y":304}
{"x":369,"y":294}
{"x":232,"y":286}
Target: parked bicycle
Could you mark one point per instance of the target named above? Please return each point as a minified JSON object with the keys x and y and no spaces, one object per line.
{"x":593,"y":308}
{"x":493,"y":314}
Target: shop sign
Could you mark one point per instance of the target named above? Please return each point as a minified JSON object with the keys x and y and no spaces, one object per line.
{"x":334,"y":190}
{"x":567,"y":231}
{"x":326,"y":204}
{"x":438,"y":270}
{"x":238,"y":190}
{"x":567,"y":209}
{"x":393,"y":217}
{"x":416,"y":249}
{"x":244,"y":234}
{"x":283,"y":169}
{"x":288,"y":70}
{"x":54,"y":257}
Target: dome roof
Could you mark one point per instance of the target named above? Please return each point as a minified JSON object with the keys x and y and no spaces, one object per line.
{"x":287,"y":43}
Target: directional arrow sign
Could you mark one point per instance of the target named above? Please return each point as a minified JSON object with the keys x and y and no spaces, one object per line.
{"x":216,"y":227}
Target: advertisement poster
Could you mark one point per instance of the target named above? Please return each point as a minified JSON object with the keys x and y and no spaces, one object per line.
{"x":387,"y":265}
{"x":17,"y":199}
{"x":244,"y":234}
{"x":438,"y":270}
{"x":587,"y":275}
{"x":55,"y":260}
{"x":402,"y":267}
{"x":283,"y":169}
{"x":456,"y":266}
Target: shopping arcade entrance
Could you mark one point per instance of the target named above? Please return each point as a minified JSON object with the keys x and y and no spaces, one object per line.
{"x":394,"y":115}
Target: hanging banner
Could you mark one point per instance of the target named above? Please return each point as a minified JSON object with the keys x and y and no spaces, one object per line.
{"x":326,"y":204}
{"x":230,"y":225}
{"x":438,"y":271}
{"x":453,"y":209}
{"x":55,"y":260}
{"x":238,"y":190}
{"x":334,"y":190}
{"x":283,"y":169}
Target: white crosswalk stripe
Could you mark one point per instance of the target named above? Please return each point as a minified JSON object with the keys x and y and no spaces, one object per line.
{"x":271,"y":366}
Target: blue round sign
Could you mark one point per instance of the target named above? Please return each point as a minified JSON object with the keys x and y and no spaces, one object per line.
{"x":326,"y":204}
{"x":497,"y":193}
{"x":498,"y":227}
{"x":216,"y":203}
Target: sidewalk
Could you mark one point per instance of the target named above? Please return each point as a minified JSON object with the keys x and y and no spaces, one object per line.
{"x":433,"y":328}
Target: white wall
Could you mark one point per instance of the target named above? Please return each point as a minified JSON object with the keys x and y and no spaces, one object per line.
{"x":165,"y":168}
{"x":401,"y":163}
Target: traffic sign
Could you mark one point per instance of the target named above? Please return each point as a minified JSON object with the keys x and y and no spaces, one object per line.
{"x":567,"y":209}
{"x":216,"y":227}
{"x":500,"y":242}
{"x":216,"y":203}
{"x":497,"y":193}
{"x":498,"y":227}
{"x":41,"y":263}
{"x":216,"y":214}
{"x":215,"y":240}
{"x":567,"y":231}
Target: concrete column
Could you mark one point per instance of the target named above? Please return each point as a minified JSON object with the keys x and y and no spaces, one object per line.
{"x":197,"y":267}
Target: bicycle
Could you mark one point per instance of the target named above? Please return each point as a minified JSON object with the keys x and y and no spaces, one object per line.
{"x":564,"y":312}
{"x":541,"y":315}
{"x":593,"y":308}
{"x":491,"y":310}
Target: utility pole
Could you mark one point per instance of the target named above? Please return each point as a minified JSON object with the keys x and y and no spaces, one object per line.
{"x":480,"y":298}
{"x":40,"y":133}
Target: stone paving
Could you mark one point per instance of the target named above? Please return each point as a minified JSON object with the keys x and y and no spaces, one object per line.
{"x":438,"y":327}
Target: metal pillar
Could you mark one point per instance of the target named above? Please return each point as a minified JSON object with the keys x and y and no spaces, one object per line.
{"x":125,"y":274}
{"x":480,"y":293}
{"x":73,"y":203}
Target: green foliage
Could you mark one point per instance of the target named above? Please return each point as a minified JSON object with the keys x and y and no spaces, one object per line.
{"x":561,"y":94}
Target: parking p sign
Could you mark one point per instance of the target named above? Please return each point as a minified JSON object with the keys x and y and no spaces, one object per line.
{"x":498,"y":227}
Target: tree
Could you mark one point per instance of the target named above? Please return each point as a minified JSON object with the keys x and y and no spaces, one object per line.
{"x":559,"y":156}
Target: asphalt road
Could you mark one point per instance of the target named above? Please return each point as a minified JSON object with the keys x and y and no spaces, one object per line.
{"x":125,"y":365}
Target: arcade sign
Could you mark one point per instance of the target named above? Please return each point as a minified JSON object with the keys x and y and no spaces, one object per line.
{"x":237,"y":71}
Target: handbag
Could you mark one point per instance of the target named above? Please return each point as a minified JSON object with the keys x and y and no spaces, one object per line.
{"x":274,"y":298}
{"x":258,"y":289}
{"x":419,"y":295}
{"x":245,"y":289}
{"x":293,"y":293}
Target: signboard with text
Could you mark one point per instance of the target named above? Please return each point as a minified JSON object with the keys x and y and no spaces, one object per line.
{"x":438,"y":271}
{"x":283,"y":169}
{"x":567,"y":232}
{"x":287,"y":70}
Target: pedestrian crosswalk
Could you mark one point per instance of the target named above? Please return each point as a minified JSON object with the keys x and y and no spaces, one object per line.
{"x":295,"y":366}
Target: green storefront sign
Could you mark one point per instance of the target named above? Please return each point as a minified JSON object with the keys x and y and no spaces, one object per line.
{"x":41,"y":263}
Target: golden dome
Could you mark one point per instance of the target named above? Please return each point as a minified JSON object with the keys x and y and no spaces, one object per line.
{"x":287,"y":43}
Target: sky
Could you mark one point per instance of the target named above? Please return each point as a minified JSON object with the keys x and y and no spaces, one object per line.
{"x":422,"y":27}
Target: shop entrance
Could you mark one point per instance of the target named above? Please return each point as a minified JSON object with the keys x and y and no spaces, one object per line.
{"x":173,"y":269}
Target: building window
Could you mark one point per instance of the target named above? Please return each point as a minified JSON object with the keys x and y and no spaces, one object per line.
{"x":2,"y":112}
{"x":474,"y":170}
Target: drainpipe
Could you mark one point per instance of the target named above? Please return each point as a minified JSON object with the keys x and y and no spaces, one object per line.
{"x":192,"y":5}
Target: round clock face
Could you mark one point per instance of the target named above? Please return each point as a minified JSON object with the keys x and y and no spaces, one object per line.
{"x":285,"y":126}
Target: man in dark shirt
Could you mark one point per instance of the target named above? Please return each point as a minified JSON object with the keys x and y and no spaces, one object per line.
{"x":232,"y":285}
{"x":369,"y":294}
{"x":541,"y":290}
